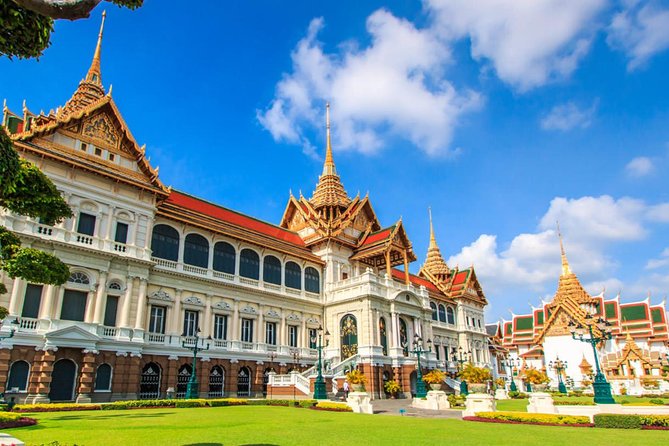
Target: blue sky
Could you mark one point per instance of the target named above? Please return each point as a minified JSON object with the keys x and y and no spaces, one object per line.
{"x":502,"y":115}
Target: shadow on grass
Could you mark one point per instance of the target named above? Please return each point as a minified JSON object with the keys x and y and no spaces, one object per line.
{"x":106,"y":417}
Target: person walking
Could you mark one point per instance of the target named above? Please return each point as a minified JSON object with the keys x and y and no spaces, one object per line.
{"x":346,"y":389}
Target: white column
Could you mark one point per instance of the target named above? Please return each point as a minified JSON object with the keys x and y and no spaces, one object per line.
{"x":59,"y":303}
{"x":261,"y":325}
{"x":394,"y":331}
{"x":207,"y":316}
{"x":47,"y":303}
{"x":110,"y":220}
{"x":16,"y":299}
{"x":176,"y":315}
{"x":236,"y":335}
{"x":100,"y":298}
{"x":141,"y":305}
{"x":149,"y":230}
{"x":303,"y":335}
{"x":127,"y":300}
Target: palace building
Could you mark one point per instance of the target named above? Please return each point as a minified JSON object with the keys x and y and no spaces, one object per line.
{"x":152,"y":268}
{"x":633,"y":360}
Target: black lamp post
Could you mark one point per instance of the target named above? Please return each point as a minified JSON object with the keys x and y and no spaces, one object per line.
{"x":461,"y":359}
{"x":579,"y":332}
{"x":559,"y":366}
{"x":421,"y":392}
{"x":272,"y":357}
{"x":319,"y":386}
{"x":192,"y":386}
{"x":510,"y":363}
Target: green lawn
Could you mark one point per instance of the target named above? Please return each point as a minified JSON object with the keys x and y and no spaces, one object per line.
{"x":292,"y":426}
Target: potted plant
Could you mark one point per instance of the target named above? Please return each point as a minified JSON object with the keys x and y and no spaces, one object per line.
{"x":357,"y":380}
{"x":435,"y":378}
{"x":537,"y":378}
{"x":392,"y":388}
{"x":476,"y":377}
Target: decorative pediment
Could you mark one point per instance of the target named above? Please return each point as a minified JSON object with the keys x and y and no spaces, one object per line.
{"x":313,"y":321}
{"x":161,"y":296}
{"x":248,"y":309}
{"x":73,"y":333}
{"x":101,"y":129}
{"x":193,"y":300}
{"x":293,"y":317}
{"x":272,"y":314}
{"x":222,"y":306}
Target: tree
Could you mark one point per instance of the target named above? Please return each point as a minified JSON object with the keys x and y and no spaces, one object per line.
{"x":25,"y":190}
{"x":26,"y":25}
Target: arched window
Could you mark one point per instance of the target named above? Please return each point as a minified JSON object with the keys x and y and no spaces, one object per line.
{"x":216,"y":381}
{"x":18,"y":376}
{"x":149,"y":385}
{"x":249,"y":264}
{"x":183,"y":376}
{"x":450,"y":315}
{"x":224,"y":257}
{"x":312,"y":280}
{"x":349,"y":336}
{"x":442,"y":313}
{"x":79,"y":277}
{"x":244,"y":382}
{"x":196,"y":251}
{"x":383,"y":336}
{"x":165,"y":243}
{"x":115,"y":286}
{"x":404,"y":339}
{"x":433,"y":306}
{"x":271,"y":270}
{"x":293,"y":275}
{"x":103,"y":377}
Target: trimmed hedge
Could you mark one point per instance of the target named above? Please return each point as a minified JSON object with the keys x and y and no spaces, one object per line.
{"x":540,"y":418}
{"x":8,"y":416}
{"x":334,"y":407}
{"x":183,"y":404}
{"x":57,"y":407}
{"x":621,"y":421}
{"x":567,"y":402}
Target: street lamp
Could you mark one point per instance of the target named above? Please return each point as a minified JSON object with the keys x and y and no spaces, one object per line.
{"x":559,"y":366}
{"x":272,"y":357}
{"x":464,"y":390}
{"x":578,"y":332}
{"x":510,"y":363}
{"x":192,"y":386}
{"x":421,"y":392}
{"x":319,"y":385}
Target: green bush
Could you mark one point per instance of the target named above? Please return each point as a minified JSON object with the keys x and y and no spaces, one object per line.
{"x":456,"y":401}
{"x":617,"y":421}
{"x":655,"y":420}
{"x":8,"y":416}
{"x":657,"y":401}
{"x":517,"y":395}
{"x":138,"y":404}
{"x":182,"y":404}
{"x":308,"y":403}
{"x":228,"y":402}
{"x":336,"y":407}
{"x":534,"y":417}
{"x":570,"y":402}
{"x":57,"y":407}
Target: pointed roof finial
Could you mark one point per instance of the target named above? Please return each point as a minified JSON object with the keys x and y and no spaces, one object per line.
{"x":329,"y":165}
{"x":434,"y":262}
{"x":433,"y":240}
{"x":566,"y":269}
{"x":94,"y":74}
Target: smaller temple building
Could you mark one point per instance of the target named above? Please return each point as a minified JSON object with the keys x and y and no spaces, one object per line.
{"x":634,"y":359}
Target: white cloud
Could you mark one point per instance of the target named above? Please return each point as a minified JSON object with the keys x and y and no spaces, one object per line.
{"x":639,"y":167}
{"x":591,"y":226}
{"x":641,"y":30}
{"x":529,"y":42}
{"x":660,"y":262}
{"x":569,"y":116}
{"x":393,"y":87}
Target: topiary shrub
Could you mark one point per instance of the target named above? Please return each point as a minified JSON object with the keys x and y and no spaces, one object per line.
{"x":334,"y":407}
{"x":308,"y":403}
{"x":617,"y":421}
{"x":655,"y":420}
{"x":182,"y":404}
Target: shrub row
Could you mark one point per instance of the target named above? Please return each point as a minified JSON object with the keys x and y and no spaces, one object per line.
{"x":568,"y":402}
{"x":56,"y":407}
{"x":335,"y":407}
{"x":137,"y":404}
{"x":621,"y":421}
{"x":540,"y":418}
{"x":19,"y":422}
{"x":8,"y":416}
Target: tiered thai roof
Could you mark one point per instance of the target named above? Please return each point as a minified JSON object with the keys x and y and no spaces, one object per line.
{"x":435,"y":265}
{"x":89,"y":116}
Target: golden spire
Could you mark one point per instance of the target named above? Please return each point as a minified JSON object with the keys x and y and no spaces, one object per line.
{"x":94,"y":74}
{"x":329,"y":190}
{"x":434,"y":262}
{"x":566,"y":269}
{"x":90,"y":89}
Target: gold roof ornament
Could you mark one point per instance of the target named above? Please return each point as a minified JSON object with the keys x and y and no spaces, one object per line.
{"x":434,"y":262}
{"x":329,"y":191}
{"x":566,"y":269}
{"x":90,"y":88}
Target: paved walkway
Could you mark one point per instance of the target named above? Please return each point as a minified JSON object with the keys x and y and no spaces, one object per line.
{"x":393,"y":407}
